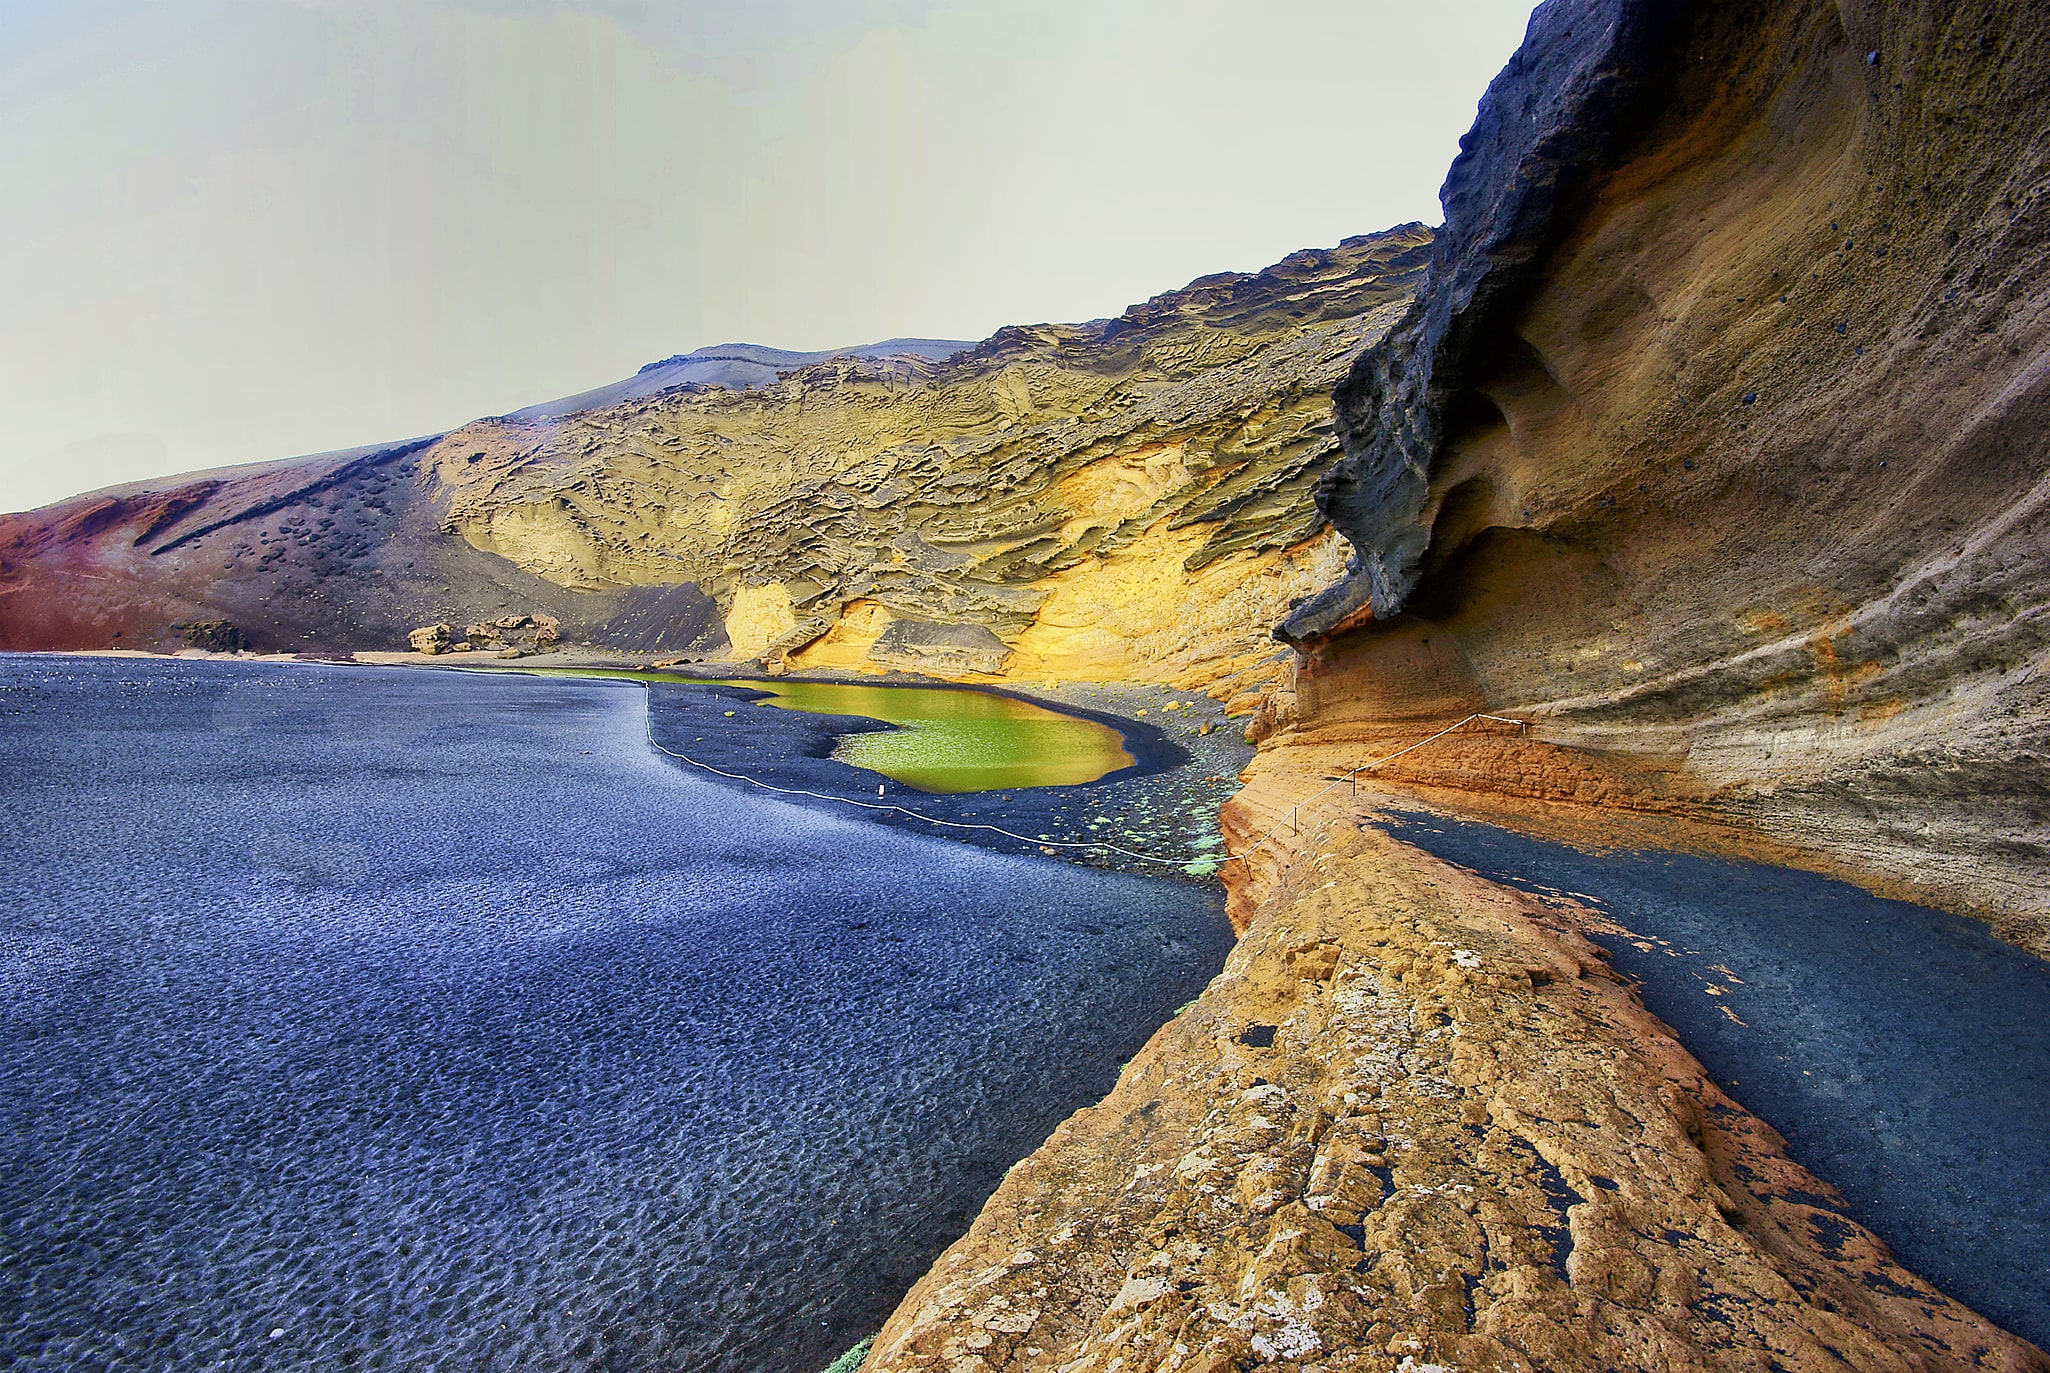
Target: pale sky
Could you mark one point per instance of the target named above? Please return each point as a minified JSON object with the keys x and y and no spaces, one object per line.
{"x":244,"y":229}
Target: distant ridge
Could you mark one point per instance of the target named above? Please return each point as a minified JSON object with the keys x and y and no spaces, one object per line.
{"x":736,"y":366}
{"x":738,"y":498}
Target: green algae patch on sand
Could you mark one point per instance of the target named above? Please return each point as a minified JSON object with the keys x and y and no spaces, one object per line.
{"x":950,"y":740}
{"x":947,"y":740}
{"x":853,"y":1359}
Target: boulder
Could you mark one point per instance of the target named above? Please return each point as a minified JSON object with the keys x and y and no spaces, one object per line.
{"x":213,"y":636}
{"x":431,"y":639}
{"x":919,"y":646}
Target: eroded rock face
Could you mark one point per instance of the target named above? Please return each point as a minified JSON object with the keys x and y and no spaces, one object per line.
{"x":1129,"y":497}
{"x":332,"y":553}
{"x":1712,"y":445}
{"x":213,"y":636}
{"x":1124,"y":498}
{"x":1716,"y":439}
{"x":1417,"y":1122}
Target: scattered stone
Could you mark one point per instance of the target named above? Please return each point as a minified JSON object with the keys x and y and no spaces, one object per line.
{"x":431,"y":639}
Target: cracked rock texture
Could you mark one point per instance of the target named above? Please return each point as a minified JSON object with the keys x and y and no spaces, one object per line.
{"x":1715,"y":440}
{"x":1417,"y":1123}
{"x":1125,"y":498}
{"x":1129,"y":497}
{"x":1713,"y":445}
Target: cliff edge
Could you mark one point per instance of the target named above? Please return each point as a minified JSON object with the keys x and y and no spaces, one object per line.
{"x":1713,"y":442}
{"x":1712,"y":445}
{"x":1128,"y":497}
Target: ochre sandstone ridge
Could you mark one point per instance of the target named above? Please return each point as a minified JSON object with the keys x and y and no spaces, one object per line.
{"x":1130,"y":497}
{"x":1418,"y":1123}
{"x":1711,"y":447}
{"x":1715,"y":443}
{"x":1124,"y":498}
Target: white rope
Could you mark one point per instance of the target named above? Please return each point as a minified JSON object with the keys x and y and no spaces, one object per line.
{"x":1183,"y":862}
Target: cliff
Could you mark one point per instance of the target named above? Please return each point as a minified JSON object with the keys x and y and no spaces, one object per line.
{"x":1706,"y":436}
{"x":1713,"y":443}
{"x":1127,"y":497}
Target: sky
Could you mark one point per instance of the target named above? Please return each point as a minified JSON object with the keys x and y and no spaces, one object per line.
{"x":237,"y":230}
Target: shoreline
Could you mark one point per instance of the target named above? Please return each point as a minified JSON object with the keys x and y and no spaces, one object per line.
{"x":1163,"y":804}
{"x":1422,"y":1119}
{"x":812,"y":1047}
{"x":1783,"y":1229}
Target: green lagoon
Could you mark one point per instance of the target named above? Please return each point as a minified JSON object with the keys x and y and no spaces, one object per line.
{"x":947,"y":740}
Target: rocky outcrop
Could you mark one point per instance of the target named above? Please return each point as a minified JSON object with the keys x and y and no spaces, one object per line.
{"x":1129,"y":497}
{"x":1124,"y":498}
{"x":1713,"y":447}
{"x":1418,"y":1123}
{"x":213,"y":636}
{"x":431,"y":639}
{"x":511,"y":636}
{"x":1714,"y":441}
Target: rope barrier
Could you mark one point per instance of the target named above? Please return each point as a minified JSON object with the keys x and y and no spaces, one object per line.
{"x":1183,"y":862}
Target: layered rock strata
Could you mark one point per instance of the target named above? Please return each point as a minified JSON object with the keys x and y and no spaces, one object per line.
{"x":1125,"y":498}
{"x":1712,"y":446}
{"x":1715,"y":441}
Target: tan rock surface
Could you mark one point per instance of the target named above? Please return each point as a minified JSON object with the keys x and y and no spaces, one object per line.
{"x":431,"y":639}
{"x":1712,"y":447}
{"x":1716,"y":441}
{"x":1125,"y":498}
{"x":1418,"y":1124}
{"x":1119,"y":499}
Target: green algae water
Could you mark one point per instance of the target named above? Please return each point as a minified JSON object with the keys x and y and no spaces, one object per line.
{"x":948,"y":740}
{"x":954,"y":741}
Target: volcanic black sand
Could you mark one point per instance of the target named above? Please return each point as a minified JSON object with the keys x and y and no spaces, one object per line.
{"x":1164,"y":805}
{"x":1903,"y":1052}
{"x":368,"y":1019}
